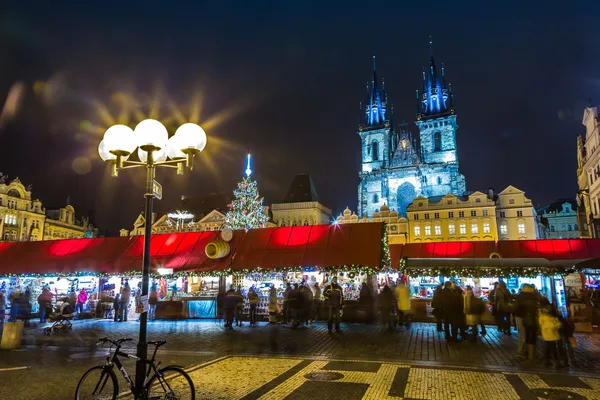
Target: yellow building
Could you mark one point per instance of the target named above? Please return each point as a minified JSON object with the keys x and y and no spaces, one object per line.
{"x":452,"y":218}
{"x":508,"y":215}
{"x":24,"y":219}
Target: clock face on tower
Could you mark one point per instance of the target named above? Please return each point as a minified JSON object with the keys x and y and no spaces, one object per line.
{"x":404,"y":143}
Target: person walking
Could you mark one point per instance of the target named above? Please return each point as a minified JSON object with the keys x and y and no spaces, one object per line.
{"x":45,"y":303}
{"x":525,"y":309}
{"x":308,"y":296}
{"x":2,"y":309}
{"x":117,"y":308}
{"x":550,"y":328}
{"x":403,"y":302}
{"x":317,"y":302}
{"x":387,"y":303}
{"x":334,"y":297}
{"x":273,"y":306}
{"x":152,"y":302}
{"x":239,"y":308}
{"x":124,"y":304}
{"x":253,"y":302}
{"x":82,"y":298}
{"x":286,"y":305}
{"x":365,"y":300}
{"x":502,"y":306}
{"x":450,"y":312}
{"x":231,"y":301}
{"x":473,"y":309}
{"x":436,"y":305}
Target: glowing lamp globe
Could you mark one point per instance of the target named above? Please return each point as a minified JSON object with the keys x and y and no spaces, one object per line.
{"x":190,"y":137}
{"x":105,"y":155}
{"x":151,"y":132}
{"x":159,"y":155}
{"x":119,"y":139}
{"x":174,"y":148}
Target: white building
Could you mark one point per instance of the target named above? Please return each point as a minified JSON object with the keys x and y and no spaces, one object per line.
{"x":588,"y":173}
{"x":516,"y":217}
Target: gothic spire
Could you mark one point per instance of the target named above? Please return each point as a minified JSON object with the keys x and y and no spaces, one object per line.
{"x":376,"y":106}
{"x":435,"y":92}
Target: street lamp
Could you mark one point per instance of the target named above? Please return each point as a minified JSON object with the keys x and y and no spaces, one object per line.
{"x":154,"y":149}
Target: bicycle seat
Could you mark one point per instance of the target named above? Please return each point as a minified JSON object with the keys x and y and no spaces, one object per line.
{"x":158,"y":343}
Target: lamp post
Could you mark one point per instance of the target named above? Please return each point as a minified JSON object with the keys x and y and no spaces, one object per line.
{"x":154,"y":149}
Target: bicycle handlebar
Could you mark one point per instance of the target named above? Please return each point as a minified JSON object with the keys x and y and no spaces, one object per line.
{"x":115,"y":342}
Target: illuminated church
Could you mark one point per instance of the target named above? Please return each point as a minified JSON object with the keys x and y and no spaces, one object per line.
{"x":395,"y":167}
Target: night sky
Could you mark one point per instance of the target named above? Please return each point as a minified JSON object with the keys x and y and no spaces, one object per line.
{"x":284,"y":80}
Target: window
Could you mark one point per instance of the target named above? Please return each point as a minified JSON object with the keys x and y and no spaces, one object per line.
{"x":478,"y":200}
{"x":426,"y":215}
{"x":463,"y":229}
{"x":449,"y":202}
{"x":420,"y":204}
{"x":416,"y":217}
{"x":436,"y":215}
{"x":569,"y":227}
{"x":562,"y":227}
{"x":450,"y":214}
{"x":511,"y":201}
{"x":375,"y":151}
{"x":575,"y":227}
{"x":503,"y":229}
{"x":461,"y":214}
{"x":428,"y":230}
{"x":438,"y":230}
{"x":375,"y":198}
{"x":486,"y":227}
{"x":417,"y":230}
{"x":451,"y":229}
{"x":521,"y":228}
{"x":519,"y":213}
{"x":282,"y":223}
{"x":305,"y":222}
{"x":485,"y":213}
{"x":474,"y":229}
{"x":551,"y":228}
{"x":437,"y":141}
{"x":439,"y":180}
{"x":502,"y":214}
{"x":473,"y":213}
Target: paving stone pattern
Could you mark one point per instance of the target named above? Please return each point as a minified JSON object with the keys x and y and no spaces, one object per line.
{"x":421,"y":343}
{"x":270,"y":378}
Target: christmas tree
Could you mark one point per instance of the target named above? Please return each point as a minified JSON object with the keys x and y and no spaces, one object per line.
{"x":246,"y":211}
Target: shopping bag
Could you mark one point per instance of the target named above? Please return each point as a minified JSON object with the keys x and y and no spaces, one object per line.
{"x":572,"y":342}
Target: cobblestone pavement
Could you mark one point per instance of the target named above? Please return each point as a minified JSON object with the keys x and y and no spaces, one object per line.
{"x":421,"y":343}
{"x":269,"y":378}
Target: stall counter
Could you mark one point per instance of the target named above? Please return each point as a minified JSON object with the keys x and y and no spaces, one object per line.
{"x":187,"y":307}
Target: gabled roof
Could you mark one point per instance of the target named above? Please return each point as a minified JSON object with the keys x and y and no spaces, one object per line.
{"x":511,"y":189}
{"x":301,"y":190}
{"x":213,"y":216}
{"x":557,"y":206}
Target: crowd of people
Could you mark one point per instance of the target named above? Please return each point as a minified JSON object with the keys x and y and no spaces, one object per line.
{"x":459,"y":315}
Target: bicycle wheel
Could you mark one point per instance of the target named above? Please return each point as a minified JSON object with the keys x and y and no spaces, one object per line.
{"x":171,"y":383}
{"x":97,"y":383}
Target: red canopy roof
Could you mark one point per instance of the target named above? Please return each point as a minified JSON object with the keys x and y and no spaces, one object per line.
{"x":319,"y":246}
{"x":556,"y":249}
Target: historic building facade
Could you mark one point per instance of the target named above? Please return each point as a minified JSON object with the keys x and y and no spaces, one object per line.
{"x":395,"y":169}
{"x":23,"y":218}
{"x":588,"y":174}
{"x":508,"y":215}
{"x":301,"y":205}
{"x":560,"y":219}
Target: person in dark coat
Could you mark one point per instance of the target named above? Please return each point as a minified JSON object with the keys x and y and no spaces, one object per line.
{"x":286,"y":304}
{"x":387,"y":303}
{"x":308,"y":303}
{"x":502,"y":305}
{"x":526,"y":306}
{"x":366,"y":301}
{"x":450,"y":311}
{"x":460,"y":309}
{"x":230,"y":305}
{"x":297,"y":302}
{"x":437,"y":308}
{"x":334,"y":298}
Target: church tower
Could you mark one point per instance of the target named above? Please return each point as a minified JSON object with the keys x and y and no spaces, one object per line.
{"x":375,"y":131}
{"x":436,"y":120}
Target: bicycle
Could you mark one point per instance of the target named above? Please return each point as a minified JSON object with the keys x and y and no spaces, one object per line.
{"x":156,"y":387}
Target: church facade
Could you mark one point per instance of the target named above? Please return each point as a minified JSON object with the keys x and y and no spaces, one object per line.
{"x":395,"y":168}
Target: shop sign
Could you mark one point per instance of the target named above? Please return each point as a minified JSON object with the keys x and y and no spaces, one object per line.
{"x":157,"y":190}
{"x":144,"y":303}
{"x":573,"y":280}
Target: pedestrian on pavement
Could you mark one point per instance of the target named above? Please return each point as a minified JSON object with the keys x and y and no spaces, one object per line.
{"x":239,"y":309}
{"x":567,"y":332}
{"x":317,"y":302}
{"x":437,"y":308}
{"x":473,"y":309}
{"x":253,"y":302}
{"x":308,"y":296}
{"x":124,"y":305}
{"x":286,"y":307}
{"x":525,"y":309}
{"x":152,"y":302}
{"x":2,"y":308}
{"x":82,"y":298}
{"x":402,"y":301}
{"x":387,"y":303}
{"x":502,"y":306}
{"x":231,"y":301}
{"x":45,"y":302}
{"x":550,"y":328}
{"x":450,"y":312}
{"x":273,"y":306}
{"x":117,"y":308}
{"x":460,"y":309}
{"x":334,"y":298}
{"x":296,"y":306}
{"x":365,"y":300}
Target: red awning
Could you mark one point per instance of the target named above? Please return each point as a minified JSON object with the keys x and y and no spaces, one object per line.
{"x":316,"y":246}
{"x":555,"y":249}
